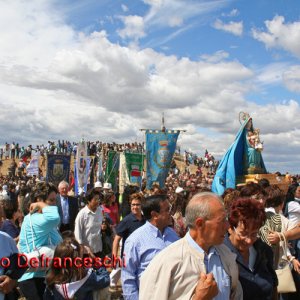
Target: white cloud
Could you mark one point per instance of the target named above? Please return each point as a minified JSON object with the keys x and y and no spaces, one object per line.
{"x":216,"y":57}
{"x":25,"y":23}
{"x":134,"y":27}
{"x":280,"y":35}
{"x":291,"y":78}
{"x":235,"y":28}
{"x":233,"y":13}
{"x":276,"y":118}
{"x":81,"y":84}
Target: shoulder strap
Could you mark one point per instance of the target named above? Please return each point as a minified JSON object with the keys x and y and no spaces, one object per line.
{"x":283,"y":243}
{"x":32,"y":232}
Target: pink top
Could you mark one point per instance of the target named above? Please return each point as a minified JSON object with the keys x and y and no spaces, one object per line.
{"x":113,"y":212}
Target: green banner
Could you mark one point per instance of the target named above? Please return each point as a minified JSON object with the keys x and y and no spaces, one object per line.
{"x":112,"y":168}
{"x":134,"y":164}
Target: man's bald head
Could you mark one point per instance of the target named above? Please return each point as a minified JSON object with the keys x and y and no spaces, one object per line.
{"x":201,"y":206}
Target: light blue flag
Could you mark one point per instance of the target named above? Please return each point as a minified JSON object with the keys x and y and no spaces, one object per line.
{"x":235,"y":162}
{"x":160,"y":147}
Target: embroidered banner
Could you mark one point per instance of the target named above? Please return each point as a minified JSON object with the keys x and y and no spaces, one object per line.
{"x":135,"y":166}
{"x":84,"y":173}
{"x":100,"y":167}
{"x":160,"y":147}
{"x":123,"y":175}
{"x":112,"y":168}
{"x":58,"y":168}
{"x":33,"y":166}
{"x":82,"y":167}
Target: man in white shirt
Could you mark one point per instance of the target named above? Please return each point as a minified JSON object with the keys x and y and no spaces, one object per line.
{"x":294,"y":208}
{"x":88,"y":223}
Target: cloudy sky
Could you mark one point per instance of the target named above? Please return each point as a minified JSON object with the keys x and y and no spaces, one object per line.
{"x":103,"y":69}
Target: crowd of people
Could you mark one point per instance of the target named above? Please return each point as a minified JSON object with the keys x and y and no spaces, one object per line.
{"x":15,"y":150}
{"x":176,"y":242}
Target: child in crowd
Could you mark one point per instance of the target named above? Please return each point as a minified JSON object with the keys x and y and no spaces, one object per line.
{"x":71,"y":281}
{"x":107,"y":237}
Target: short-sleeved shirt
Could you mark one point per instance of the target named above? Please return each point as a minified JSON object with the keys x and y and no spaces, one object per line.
{"x":127,"y":226}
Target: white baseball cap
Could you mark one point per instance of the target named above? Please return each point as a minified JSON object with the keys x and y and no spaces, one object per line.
{"x":98,"y":184}
{"x":107,"y":185}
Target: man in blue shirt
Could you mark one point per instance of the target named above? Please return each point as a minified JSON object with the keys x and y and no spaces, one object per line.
{"x":144,"y":243}
{"x":10,"y":274}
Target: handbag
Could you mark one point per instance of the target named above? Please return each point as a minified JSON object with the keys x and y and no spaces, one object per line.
{"x":286,"y":282}
{"x":39,"y":258}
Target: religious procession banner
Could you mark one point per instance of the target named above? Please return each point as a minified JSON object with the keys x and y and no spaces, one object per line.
{"x":33,"y":166}
{"x":112,"y":168}
{"x":100,"y":167}
{"x":81,"y":165}
{"x":58,"y":168}
{"x":160,"y":147}
{"x":135,"y":166}
{"x":123,"y":175}
{"x":84,"y":173}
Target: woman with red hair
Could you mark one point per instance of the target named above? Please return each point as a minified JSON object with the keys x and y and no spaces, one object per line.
{"x":254,"y":257}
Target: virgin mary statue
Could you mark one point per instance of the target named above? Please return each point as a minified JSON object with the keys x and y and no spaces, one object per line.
{"x":243,"y":157}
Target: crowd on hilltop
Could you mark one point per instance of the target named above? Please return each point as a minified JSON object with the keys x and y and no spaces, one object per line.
{"x":15,"y":150}
{"x":208,"y":161}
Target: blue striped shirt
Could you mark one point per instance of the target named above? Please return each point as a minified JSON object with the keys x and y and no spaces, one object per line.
{"x":140,"y":248}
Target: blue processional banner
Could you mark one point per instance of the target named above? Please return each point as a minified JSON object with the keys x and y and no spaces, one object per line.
{"x":58,"y":168}
{"x":160,"y":147}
